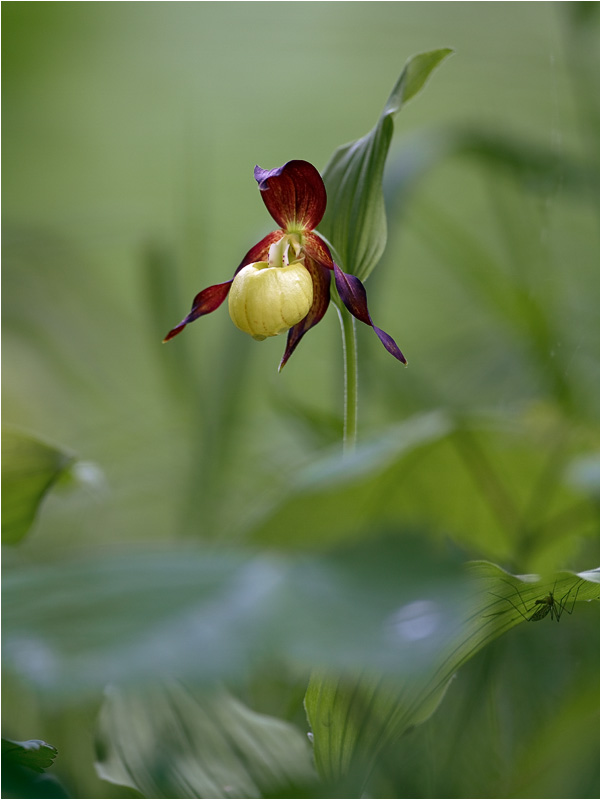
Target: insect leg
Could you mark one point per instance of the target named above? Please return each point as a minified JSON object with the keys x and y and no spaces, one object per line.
{"x":507,"y":599}
{"x":562,"y":604}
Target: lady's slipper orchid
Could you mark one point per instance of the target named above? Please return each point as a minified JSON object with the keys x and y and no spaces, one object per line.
{"x":283,"y":282}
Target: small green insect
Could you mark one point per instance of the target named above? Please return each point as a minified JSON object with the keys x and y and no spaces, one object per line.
{"x":544,"y":607}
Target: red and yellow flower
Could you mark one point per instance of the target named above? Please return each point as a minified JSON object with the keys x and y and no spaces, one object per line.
{"x":283,"y":282}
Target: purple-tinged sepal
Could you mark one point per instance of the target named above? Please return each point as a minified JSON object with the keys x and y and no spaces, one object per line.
{"x":353,"y":295}
{"x":283,"y":282}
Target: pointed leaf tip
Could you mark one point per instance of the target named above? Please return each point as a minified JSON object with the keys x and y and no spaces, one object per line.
{"x":414,"y":76}
{"x":355,"y":220}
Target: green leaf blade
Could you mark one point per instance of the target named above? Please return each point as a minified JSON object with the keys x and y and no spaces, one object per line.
{"x":355,"y":219}
{"x":167,"y":740}
{"x":30,"y":468}
{"x":355,"y":717}
{"x":413,"y":78}
{"x":34,"y":754}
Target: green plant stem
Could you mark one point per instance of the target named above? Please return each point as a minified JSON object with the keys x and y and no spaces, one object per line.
{"x":351,"y":379}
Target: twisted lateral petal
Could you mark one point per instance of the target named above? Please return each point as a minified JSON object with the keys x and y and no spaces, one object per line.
{"x":353,"y":295}
{"x":294,"y":194}
{"x":321,"y":300}
{"x":210,"y":299}
{"x":204,"y":303}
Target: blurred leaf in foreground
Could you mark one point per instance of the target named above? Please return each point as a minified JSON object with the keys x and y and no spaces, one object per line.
{"x":168,"y":741}
{"x":30,"y":468}
{"x":488,"y":481}
{"x":355,"y":717}
{"x":23,"y":765}
{"x":34,"y":753}
{"x":220,"y":615}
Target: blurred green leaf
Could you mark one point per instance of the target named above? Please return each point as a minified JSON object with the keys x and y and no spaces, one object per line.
{"x":30,"y":467}
{"x":320,"y":428}
{"x":216,"y":615}
{"x":492,"y":483}
{"x":23,"y":765}
{"x":539,"y":168}
{"x":583,"y":473}
{"x":355,"y":717}
{"x":355,"y":219}
{"x":221,"y":615}
{"x":34,"y":754}
{"x":169,"y":741}
{"x":334,"y":496}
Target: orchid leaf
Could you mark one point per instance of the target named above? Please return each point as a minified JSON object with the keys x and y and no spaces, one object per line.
{"x":355,"y":218}
{"x":170,"y":741}
{"x":354,"y":717}
{"x":33,"y":754}
{"x":30,"y":467}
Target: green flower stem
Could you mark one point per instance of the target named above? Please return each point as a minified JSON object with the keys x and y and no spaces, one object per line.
{"x":351,"y":379}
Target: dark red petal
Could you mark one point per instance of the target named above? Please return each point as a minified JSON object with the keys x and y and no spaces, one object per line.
{"x":294,"y":194}
{"x":204,"y":303}
{"x":318,"y":250}
{"x":321,"y":299}
{"x":260,"y":251}
{"x":353,"y":295}
{"x":209,"y":299}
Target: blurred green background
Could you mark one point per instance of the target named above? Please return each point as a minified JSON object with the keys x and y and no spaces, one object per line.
{"x":130,"y":134}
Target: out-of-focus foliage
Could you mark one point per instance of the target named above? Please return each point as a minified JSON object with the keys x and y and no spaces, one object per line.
{"x":130,"y":134}
{"x":34,"y":754}
{"x":355,"y":717}
{"x":168,"y":741}
{"x":205,"y":615}
{"x":29,"y":469}
{"x":23,"y":766}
